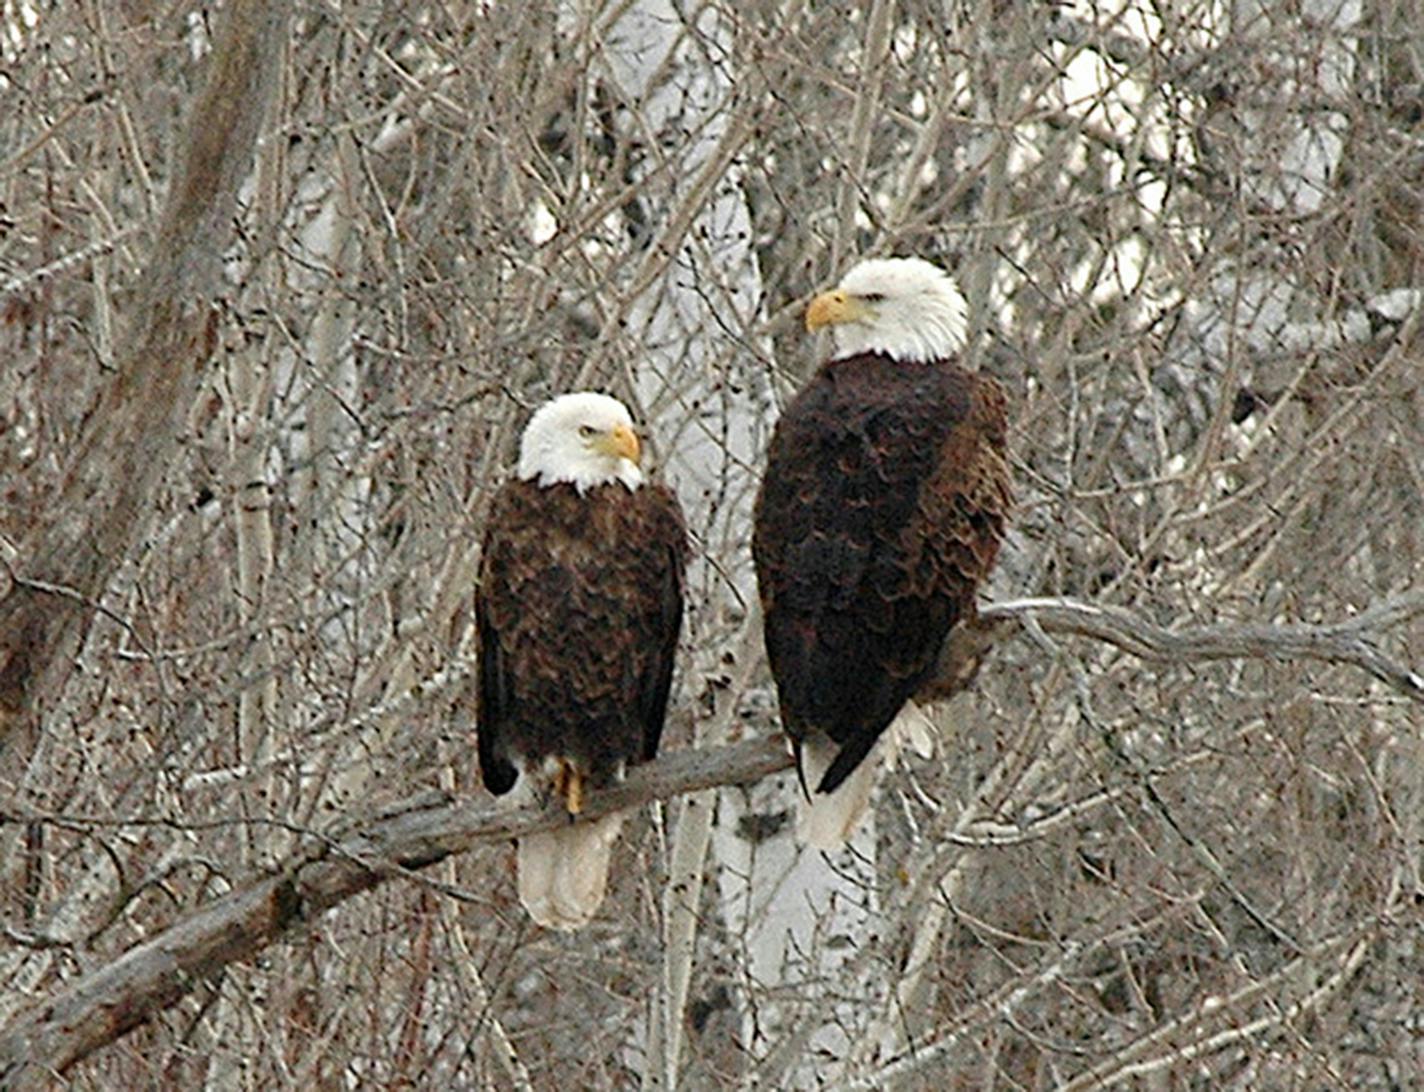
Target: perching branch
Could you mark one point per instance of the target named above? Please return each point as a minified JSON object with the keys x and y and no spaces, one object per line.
{"x":100,"y":1007}
{"x":105,"y":1004}
{"x":1339,"y":642}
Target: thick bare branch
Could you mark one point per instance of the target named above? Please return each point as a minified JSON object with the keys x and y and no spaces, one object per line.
{"x":118,"y":461}
{"x":1191,"y":235}
{"x":104,"y":1005}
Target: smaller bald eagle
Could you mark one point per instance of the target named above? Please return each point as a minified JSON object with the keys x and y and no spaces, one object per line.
{"x":578,"y":612}
{"x":880,"y":513}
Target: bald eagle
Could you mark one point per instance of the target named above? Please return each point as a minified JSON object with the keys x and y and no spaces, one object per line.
{"x":578,"y":612}
{"x":880,"y":513}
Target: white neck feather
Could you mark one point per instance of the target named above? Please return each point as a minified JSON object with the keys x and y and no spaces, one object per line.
{"x":582,"y":476}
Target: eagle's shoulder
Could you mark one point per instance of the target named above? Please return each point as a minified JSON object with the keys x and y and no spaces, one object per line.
{"x":656,"y":507}
{"x":521,"y":509}
{"x":965,"y":503}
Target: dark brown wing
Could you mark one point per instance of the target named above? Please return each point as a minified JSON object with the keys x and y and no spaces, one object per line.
{"x":666,"y":536}
{"x":881,"y":510}
{"x":495,"y":697}
{"x":964,"y":511}
{"x":579,"y":608}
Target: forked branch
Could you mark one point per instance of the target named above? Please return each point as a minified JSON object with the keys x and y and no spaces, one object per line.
{"x":1351,"y":642}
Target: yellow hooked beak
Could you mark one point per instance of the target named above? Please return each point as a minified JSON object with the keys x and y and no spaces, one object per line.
{"x":830,"y":308}
{"x":621,"y":441}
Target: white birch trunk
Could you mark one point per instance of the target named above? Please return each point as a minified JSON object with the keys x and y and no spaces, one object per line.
{"x":330,"y":556}
{"x":710,"y":411}
{"x":707,"y":407}
{"x":1285,"y":159}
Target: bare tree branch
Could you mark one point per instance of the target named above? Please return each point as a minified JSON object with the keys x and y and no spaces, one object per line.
{"x":1347,"y":951}
{"x":104,"y":1005}
{"x":1348,"y":642}
{"x":1191,"y":237}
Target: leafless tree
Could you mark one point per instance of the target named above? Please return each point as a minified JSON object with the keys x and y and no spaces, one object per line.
{"x":279,"y":284}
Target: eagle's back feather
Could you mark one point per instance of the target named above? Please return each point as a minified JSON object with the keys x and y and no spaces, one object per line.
{"x":882,"y":509}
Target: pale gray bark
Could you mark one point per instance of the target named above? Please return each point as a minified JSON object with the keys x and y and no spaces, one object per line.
{"x":61,"y":566}
{"x":334,"y":867}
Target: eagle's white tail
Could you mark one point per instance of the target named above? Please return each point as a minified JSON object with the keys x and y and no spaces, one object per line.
{"x":563,"y":873}
{"x":828,"y":820}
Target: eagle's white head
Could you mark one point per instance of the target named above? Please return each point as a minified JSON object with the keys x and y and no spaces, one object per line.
{"x":905,"y":308}
{"x":583,"y":438}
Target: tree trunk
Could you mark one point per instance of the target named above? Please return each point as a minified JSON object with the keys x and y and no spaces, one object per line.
{"x":63,"y":566}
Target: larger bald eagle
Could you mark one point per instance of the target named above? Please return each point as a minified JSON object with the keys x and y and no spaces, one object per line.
{"x":578,"y":611}
{"x":880,"y":513}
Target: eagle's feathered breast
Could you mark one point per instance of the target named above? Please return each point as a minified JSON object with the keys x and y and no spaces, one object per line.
{"x":579,"y":608}
{"x":882,"y":509}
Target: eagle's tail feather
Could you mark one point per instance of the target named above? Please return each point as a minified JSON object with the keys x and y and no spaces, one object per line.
{"x":563,"y":873}
{"x":828,"y":819}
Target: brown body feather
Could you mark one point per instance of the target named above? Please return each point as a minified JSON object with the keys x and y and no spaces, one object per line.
{"x":881,"y":511}
{"x":579,"y":608}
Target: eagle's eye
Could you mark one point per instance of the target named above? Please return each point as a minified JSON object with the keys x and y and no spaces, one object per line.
{"x":586,"y":431}
{"x":874,"y":297}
